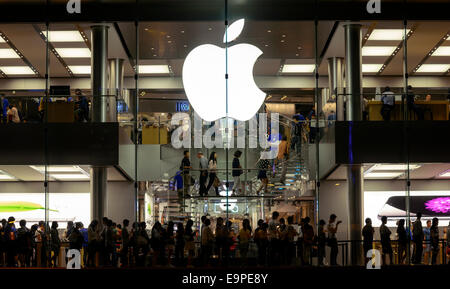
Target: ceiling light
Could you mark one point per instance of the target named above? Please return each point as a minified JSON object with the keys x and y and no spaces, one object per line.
{"x":269,"y":31}
{"x":16,"y":70}
{"x":80,"y":69}
{"x":371,"y":67}
{"x":382,"y":175}
{"x":74,"y":52}
{"x":154,"y":69}
{"x":396,"y":167}
{"x":387,"y":34}
{"x":445,"y":174}
{"x":70,"y":176}
{"x":442,"y":51}
{"x":434,"y":68}
{"x":5,"y":176}
{"x":378,"y":50}
{"x":57,"y":169}
{"x":284,"y":97}
{"x":8,"y":53}
{"x":64,"y":36}
{"x":298,"y":68}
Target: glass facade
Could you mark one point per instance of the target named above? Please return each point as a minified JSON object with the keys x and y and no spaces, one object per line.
{"x":215,"y":110}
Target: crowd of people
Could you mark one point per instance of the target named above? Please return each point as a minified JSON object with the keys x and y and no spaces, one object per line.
{"x":107,"y":244}
{"x":425,"y":241}
{"x":13,"y":112}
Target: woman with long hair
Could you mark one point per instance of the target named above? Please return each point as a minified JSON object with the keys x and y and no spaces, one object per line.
{"x":244,"y":238}
{"x":212,"y":167}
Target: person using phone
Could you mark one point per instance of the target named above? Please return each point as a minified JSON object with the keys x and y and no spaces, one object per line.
{"x":332,"y":239}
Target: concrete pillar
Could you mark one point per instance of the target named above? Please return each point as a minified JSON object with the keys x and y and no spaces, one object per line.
{"x":336,"y":84}
{"x":354,"y":106}
{"x":101,"y":112}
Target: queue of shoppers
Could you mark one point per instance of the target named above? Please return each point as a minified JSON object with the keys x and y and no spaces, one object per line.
{"x":104,"y":243}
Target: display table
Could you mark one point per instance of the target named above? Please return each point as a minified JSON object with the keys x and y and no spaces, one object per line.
{"x":438,"y":108}
{"x":61,"y":112}
{"x":155,"y":135}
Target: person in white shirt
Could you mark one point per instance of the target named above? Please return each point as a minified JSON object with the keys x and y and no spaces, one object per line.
{"x":388,"y":102}
{"x":13,"y":114}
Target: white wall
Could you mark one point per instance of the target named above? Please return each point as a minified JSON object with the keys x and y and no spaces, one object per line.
{"x":119,"y":196}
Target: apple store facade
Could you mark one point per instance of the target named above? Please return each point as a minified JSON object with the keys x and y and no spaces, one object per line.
{"x":164,"y":111}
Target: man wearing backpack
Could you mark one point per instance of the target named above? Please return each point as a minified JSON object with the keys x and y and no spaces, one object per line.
{"x":418,"y":239}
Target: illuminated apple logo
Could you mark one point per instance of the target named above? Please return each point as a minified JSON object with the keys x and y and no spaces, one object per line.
{"x":204,"y":79}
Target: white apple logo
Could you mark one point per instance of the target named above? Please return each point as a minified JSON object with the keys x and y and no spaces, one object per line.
{"x":206,"y":87}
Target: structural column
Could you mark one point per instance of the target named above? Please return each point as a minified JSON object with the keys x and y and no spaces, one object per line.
{"x":116,"y":70}
{"x":355,"y":176}
{"x":100,"y":112}
{"x":336,"y":84}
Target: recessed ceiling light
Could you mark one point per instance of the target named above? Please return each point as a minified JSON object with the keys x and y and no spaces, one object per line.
{"x":70,"y":176}
{"x":58,"y":169}
{"x":382,"y":175}
{"x":8,"y":53}
{"x":298,"y":68}
{"x":283,"y":35}
{"x":168,"y":36}
{"x":185,"y":45}
{"x":209,"y":28}
{"x":437,"y":68}
{"x":442,"y":51}
{"x":80,"y":69}
{"x":269,"y":31}
{"x":182,"y":31}
{"x":396,"y":167}
{"x":371,"y":67}
{"x":154,"y":55}
{"x":74,"y":52}
{"x":169,"y":41}
{"x":266,"y":45}
{"x":154,"y":69}
{"x":378,"y":50}
{"x":387,"y":34}
{"x":282,"y":40}
{"x":17,"y":70}
{"x":296,"y":54}
{"x":64,"y":36}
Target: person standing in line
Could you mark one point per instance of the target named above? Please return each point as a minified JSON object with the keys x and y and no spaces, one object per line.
{"x":13,"y":114}
{"x":402,"y":241}
{"x":434,"y":234}
{"x":55,"y":244}
{"x":308,"y":240}
{"x":388,"y":100}
{"x":367,"y":233}
{"x":185,"y":168}
{"x":207,"y":240}
{"x":125,"y":243}
{"x":220,"y":238}
{"x":93,"y":243}
{"x":332,"y":238}
{"x":418,"y":239}
{"x":244,"y":237}
{"x":237,"y":172}
{"x":257,"y":239}
{"x":282,"y":158}
{"x":4,"y":108}
{"x":190,"y":245}
{"x":300,"y":244}
{"x":273,"y":238}
{"x":321,"y":242}
{"x":169,"y":238}
{"x":385,"y":235}
{"x":427,"y":239}
{"x":213,"y":179}
{"x":282,"y":237}
{"x":291,"y":234}
{"x":24,"y":241}
{"x":179,"y":245}
{"x":11,"y":242}
{"x":203,"y":164}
